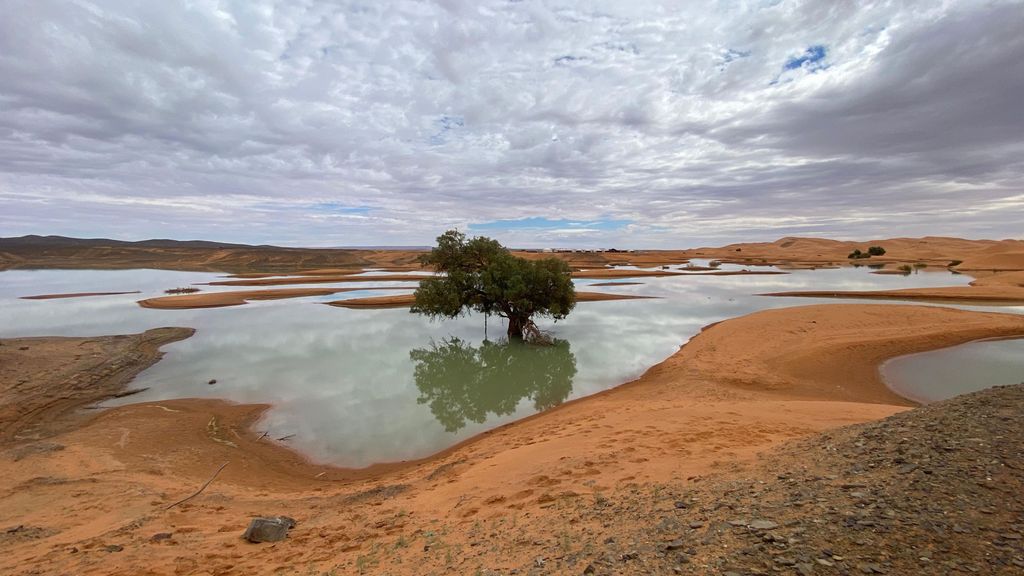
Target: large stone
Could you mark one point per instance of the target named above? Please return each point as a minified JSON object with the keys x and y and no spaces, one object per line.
{"x":272,"y":529}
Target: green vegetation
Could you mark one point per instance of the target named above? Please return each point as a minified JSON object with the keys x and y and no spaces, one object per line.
{"x":872,"y":251}
{"x":463,"y":383}
{"x":480,"y":275}
{"x":906,"y":268}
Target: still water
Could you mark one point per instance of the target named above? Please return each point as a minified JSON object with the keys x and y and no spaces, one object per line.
{"x":940,"y":374}
{"x":355,"y":387}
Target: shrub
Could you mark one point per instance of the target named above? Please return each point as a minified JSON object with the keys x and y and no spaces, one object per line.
{"x":876,"y":251}
{"x":906,"y":269}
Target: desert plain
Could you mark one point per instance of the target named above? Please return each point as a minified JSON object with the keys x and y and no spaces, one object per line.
{"x":768,"y":443}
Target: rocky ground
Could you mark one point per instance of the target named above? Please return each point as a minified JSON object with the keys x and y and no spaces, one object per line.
{"x":937,"y":490}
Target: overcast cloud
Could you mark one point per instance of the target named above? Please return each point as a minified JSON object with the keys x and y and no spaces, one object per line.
{"x":630,"y":124}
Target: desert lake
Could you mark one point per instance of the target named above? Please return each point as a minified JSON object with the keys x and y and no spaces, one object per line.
{"x":356,"y":387}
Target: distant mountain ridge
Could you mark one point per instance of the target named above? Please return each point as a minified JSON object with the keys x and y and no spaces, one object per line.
{"x":37,"y":240}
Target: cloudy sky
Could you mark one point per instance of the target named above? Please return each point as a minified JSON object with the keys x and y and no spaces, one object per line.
{"x":565,"y":123}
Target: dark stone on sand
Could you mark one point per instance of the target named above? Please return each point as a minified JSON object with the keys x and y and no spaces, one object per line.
{"x":272,"y":529}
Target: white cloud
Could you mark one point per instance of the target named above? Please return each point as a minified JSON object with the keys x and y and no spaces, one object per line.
{"x":235,"y":120}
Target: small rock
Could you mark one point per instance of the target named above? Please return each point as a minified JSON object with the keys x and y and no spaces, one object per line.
{"x":160,"y":536}
{"x":680,"y":504}
{"x":805,"y":569}
{"x":113,"y":547}
{"x":674,"y":545}
{"x":212,"y":382}
{"x":696,"y":524}
{"x":272,"y":529}
{"x":589,"y":569}
{"x":762,"y":525}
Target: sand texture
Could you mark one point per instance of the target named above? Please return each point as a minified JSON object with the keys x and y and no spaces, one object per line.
{"x":556,"y":486}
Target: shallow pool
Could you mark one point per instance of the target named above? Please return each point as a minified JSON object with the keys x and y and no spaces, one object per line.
{"x":940,"y":374}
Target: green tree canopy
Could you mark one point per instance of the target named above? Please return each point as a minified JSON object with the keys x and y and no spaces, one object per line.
{"x":479,"y":274}
{"x":461,"y":382}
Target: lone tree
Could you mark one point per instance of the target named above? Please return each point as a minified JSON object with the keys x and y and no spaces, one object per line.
{"x":479,"y":274}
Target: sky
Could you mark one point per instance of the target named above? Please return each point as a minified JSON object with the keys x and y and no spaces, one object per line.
{"x":563,"y":124}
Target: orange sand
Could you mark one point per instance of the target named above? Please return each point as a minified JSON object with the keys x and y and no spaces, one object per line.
{"x":734,"y":390}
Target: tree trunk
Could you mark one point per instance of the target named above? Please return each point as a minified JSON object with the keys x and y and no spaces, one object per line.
{"x":516,"y":325}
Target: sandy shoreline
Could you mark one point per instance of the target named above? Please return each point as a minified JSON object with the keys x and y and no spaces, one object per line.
{"x":684,"y":418}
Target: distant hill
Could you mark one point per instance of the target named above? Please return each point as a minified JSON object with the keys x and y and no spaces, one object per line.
{"x":33,"y":251}
{"x":36,"y":240}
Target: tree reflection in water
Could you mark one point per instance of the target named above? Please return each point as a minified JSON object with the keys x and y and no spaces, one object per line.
{"x":464,"y":383}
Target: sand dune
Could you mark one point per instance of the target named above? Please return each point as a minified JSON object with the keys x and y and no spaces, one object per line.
{"x":932,"y":249}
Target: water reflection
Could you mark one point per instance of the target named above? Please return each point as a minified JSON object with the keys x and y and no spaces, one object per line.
{"x":461,"y":382}
{"x":342,"y":381}
{"x":947,"y":372}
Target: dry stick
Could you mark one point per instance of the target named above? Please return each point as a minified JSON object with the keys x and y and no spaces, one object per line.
{"x":262,"y":436}
{"x":197,"y":492}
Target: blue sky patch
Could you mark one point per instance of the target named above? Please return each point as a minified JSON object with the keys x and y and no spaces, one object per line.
{"x":809,"y":59}
{"x":339,"y":208}
{"x":732,"y":55}
{"x":445,"y":125}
